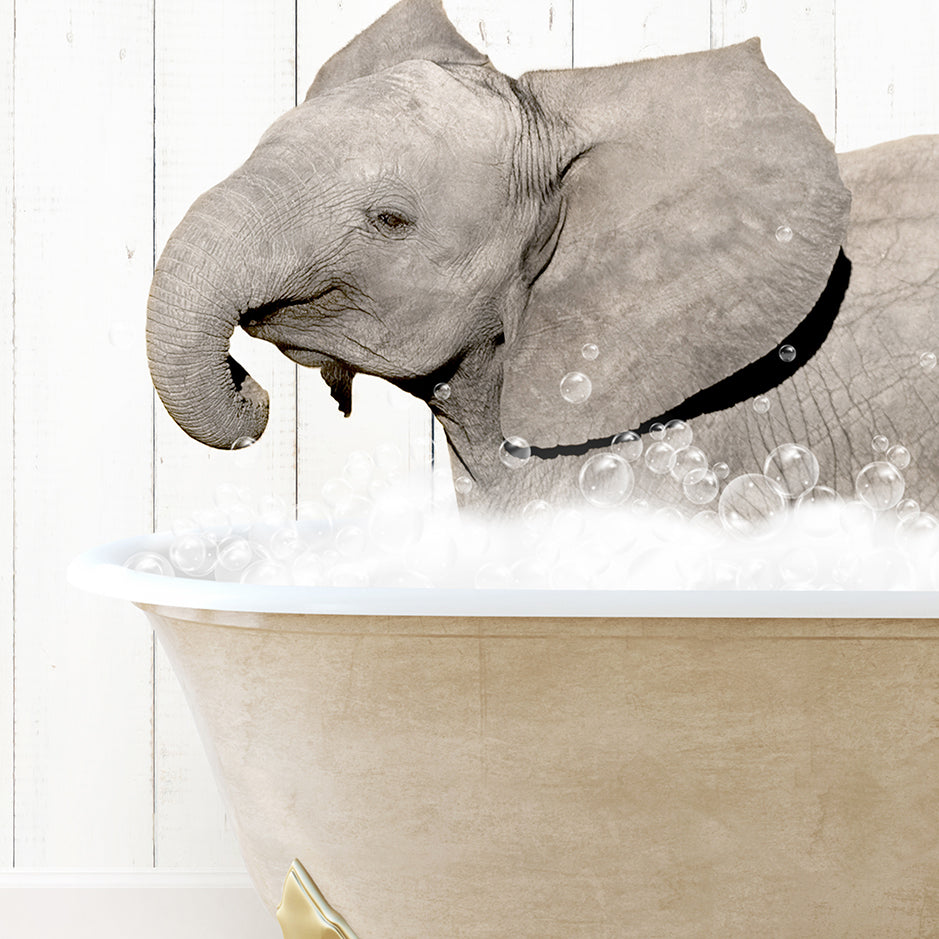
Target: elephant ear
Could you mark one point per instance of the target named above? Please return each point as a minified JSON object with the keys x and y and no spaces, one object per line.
{"x":411,"y":29}
{"x":704,"y":214}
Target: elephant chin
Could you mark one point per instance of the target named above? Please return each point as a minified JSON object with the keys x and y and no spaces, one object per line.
{"x":338,"y":375}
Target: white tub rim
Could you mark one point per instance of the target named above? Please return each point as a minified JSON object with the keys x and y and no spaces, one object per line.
{"x":100,"y":570}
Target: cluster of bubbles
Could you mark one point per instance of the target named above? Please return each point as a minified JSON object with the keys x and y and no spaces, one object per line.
{"x":778,"y":529}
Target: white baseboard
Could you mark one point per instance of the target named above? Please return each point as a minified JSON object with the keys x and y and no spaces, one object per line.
{"x":142,"y":904}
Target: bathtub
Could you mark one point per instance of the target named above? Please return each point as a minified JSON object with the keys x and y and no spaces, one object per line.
{"x":445,"y":764}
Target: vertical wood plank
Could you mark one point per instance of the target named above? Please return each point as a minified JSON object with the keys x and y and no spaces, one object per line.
{"x":606,"y":33}
{"x":83,"y":436}
{"x":887,"y":72}
{"x":798,"y":38}
{"x":6,"y":433}
{"x":223,"y":73}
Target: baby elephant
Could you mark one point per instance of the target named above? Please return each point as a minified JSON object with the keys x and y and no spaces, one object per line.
{"x":573,"y":254}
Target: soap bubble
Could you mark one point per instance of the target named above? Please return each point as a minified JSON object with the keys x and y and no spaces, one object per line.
{"x":660,"y":457}
{"x":442,"y":391}
{"x":536,"y":515}
{"x":907,"y":508}
{"x":150,"y":562}
{"x":606,"y":480}
{"x":678,"y":435}
{"x":879,"y":485}
{"x":463,"y":484}
{"x":657,"y":431}
{"x":242,"y":443}
{"x":721,"y":470}
{"x":286,"y":543}
{"x":927,"y":361}
{"x":749,"y":505}
{"x":307,"y":569}
{"x":899,"y":456}
{"x":700,"y":485}
{"x":235,"y":554}
{"x":761,"y":404}
{"x":794,"y":469}
{"x":576,"y":387}
{"x":192,"y":554}
{"x":686,"y":460}
{"x":589,"y":350}
{"x":787,"y":353}
{"x":784,"y":234}
{"x":628,"y":445}
{"x":880,"y":443}
{"x":266,"y":572}
{"x":514,"y":452}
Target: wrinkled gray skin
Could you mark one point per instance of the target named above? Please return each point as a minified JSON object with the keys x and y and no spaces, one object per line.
{"x":424,"y":218}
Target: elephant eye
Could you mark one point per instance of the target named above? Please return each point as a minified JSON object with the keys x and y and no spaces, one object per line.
{"x":389,"y":222}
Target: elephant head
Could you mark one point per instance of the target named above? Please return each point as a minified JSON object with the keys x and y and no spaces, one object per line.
{"x":425,"y":218}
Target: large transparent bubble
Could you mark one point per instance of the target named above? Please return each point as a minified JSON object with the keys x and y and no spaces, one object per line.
{"x":751,"y":505}
{"x":880,"y":485}
{"x":794,"y":469}
{"x":606,"y":480}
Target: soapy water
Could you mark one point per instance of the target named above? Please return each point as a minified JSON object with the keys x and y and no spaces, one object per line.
{"x":778,"y":529}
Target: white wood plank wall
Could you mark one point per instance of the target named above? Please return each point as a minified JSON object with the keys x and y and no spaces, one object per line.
{"x":116,"y":116}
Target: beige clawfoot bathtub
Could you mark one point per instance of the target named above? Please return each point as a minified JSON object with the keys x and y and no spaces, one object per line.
{"x":538,"y":764}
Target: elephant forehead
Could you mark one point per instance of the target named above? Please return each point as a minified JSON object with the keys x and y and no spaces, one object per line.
{"x":413,"y":106}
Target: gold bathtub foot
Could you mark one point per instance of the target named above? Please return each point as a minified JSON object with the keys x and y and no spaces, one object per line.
{"x":304,"y":913}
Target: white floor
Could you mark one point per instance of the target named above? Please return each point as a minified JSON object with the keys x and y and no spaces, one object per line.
{"x":143,"y":905}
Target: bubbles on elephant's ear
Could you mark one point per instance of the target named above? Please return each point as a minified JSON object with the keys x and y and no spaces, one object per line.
{"x":514,"y":452}
{"x":787,"y":353}
{"x":628,"y":445}
{"x":761,"y":404}
{"x":686,"y":460}
{"x":880,"y":444}
{"x":660,"y":458}
{"x":442,"y":391}
{"x":907,"y":508}
{"x":243,"y":442}
{"x":657,"y":431}
{"x":721,"y":470}
{"x":794,"y":469}
{"x":678,"y":435}
{"x":784,"y":234}
{"x":463,"y":484}
{"x":576,"y":387}
{"x":589,"y":350}
{"x":927,"y":361}
{"x":899,"y":456}
{"x":751,"y":505}
{"x":880,"y":485}
{"x":700,"y":486}
{"x":606,"y":480}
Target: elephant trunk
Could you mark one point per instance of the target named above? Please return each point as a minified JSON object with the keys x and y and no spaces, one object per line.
{"x":203,"y":284}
